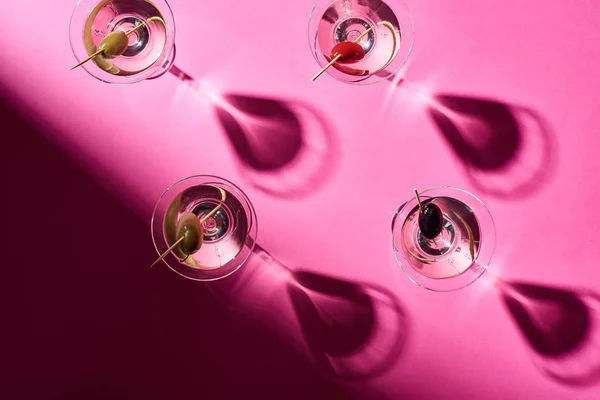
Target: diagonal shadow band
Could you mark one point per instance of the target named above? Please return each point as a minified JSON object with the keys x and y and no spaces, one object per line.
{"x":86,"y":319}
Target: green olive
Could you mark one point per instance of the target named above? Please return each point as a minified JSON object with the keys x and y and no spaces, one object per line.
{"x":190,"y":228}
{"x":191,"y":239}
{"x":114,"y":44}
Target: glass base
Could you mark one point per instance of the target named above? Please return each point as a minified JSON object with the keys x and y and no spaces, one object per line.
{"x":217,"y":225}
{"x":443,"y":243}
{"x":350,"y":29}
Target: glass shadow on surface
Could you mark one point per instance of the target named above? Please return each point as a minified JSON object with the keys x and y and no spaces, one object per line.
{"x":507,"y":150}
{"x":88,"y":319}
{"x":351,"y":330}
{"x":562,"y":327}
{"x":362,"y":342}
{"x":270,"y":145}
{"x":285,"y":147}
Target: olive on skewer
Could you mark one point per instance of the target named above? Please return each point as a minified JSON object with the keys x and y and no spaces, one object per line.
{"x":189,"y":234}
{"x":185,"y":237}
{"x":113,"y":45}
{"x":431,"y":220}
{"x":190,"y":229}
{"x":116,"y":42}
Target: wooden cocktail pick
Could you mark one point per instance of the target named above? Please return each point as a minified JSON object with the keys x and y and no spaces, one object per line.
{"x":115,"y":44}
{"x":418,"y":200}
{"x":470,"y":233}
{"x":418,"y":257}
{"x":358,"y":39}
{"x":207,"y":216}
{"x":170,"y":249}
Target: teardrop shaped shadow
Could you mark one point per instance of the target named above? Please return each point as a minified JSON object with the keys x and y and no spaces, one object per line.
{"x":325,"y":334}
{"x":358,"y":342}
{"x":285,"y":147}
{"x":553,"y":331}
{"x":507,"y":150}
{"x":274,"y":141}
{"x":348,"y":330}
{"x":562,"y":327}
{"x":501,"y":143}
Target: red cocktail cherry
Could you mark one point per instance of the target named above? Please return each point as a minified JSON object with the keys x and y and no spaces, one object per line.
{"x":349,"y":52}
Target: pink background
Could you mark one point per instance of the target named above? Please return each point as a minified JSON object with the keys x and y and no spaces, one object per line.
{"x":87,"y":318}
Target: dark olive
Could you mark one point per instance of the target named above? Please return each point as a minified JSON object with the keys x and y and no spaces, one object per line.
{"x":191,"y":239}
{"x":431,"y":221}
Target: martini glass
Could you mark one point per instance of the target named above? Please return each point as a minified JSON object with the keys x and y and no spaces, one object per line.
{"x":228,"y":221}
{"x":387,"y":45}
{"x":462,"y":250}
{"x":150,"y":49}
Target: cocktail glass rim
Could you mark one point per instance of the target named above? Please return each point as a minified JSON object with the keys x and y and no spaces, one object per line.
{"x":362,"y":82}
{"x":153,"y":66}
{"x":252,"y":223}
{"x":462,"y":280}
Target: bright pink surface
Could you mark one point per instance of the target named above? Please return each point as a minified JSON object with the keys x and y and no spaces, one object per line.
{"x":534,"y":55}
